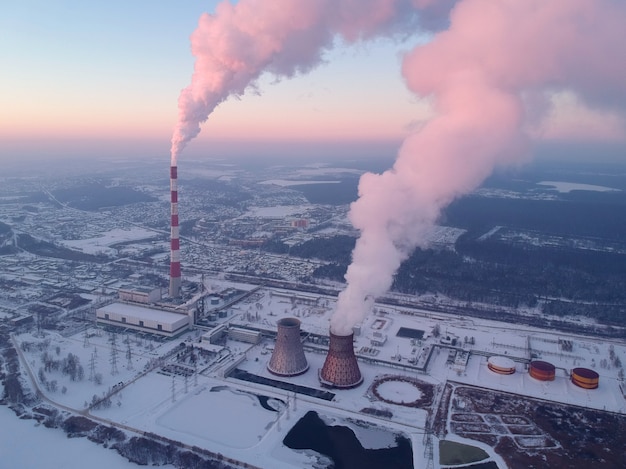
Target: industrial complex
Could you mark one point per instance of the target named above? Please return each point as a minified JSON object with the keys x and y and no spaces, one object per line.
{"x":390,"y":374}
{"x":165,"y":357}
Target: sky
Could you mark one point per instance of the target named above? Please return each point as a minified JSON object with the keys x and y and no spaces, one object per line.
{"x":108,"y":74}
{"x":103,"y":78}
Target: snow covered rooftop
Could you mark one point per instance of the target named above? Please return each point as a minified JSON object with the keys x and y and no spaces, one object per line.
{"x":142,"y":313}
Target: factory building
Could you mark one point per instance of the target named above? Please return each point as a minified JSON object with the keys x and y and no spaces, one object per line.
{"x":299,"y":297}
{"x":242,"y":334}
{"x":144,"y":319}
{"x":145,"y":295}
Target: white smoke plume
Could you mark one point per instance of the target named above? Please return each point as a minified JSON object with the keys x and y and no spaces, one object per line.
{"x":484,"y":72}
{"x":489,"y":71}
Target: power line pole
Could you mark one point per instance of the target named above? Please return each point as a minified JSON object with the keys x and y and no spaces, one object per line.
{"x":113,"y":359}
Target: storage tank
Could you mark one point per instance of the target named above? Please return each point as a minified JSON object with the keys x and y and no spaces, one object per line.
{"x":340,"y":369}
{"x":543,"y":371}
{"x":585,"y":378}
{"x":288,"y":356}
{"x":501,"y":365}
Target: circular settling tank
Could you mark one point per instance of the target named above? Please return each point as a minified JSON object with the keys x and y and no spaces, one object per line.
{"x":543,"y":371}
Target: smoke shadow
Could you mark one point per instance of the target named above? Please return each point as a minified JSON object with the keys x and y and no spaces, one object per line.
{"x":252,"y":378}
{"x":341,"y":445}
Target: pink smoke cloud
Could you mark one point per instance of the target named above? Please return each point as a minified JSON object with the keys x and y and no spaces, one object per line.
{"x":239,"y":42}
{"x":479,"y":72}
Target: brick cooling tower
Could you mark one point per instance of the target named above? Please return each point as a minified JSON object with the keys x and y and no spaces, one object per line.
{"x":340,"y":369}
{"x":288,"y":356}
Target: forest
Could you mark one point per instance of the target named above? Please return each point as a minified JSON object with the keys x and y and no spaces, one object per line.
{"x":563,"y":253}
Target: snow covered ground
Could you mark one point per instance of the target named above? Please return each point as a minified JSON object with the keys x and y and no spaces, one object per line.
{"x":225,"y":415}
{"x":27,"y":444}
{"x":295,"y":182}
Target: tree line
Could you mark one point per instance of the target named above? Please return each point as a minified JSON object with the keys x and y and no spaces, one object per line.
{"x":563,"y":282}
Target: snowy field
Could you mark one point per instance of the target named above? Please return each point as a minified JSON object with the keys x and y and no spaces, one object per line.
{"x":100,"y":244}
{"x":292,"y":182}
{"x":19,"y":438}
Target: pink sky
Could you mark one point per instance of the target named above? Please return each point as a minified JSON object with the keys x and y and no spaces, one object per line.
{"x":63,"y":90}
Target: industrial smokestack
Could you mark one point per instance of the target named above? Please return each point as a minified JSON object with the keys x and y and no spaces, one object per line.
{"x":288,"y":356}
{"x":340,"y":369}
{"x":174,"y":240}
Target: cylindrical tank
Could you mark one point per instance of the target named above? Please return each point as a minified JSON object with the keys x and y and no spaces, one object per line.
{"x":501,"y":365}
{"x":543,"y":371}
{"x":585,"y":378}
{"x":340,"y":369}
{"x":288,"y":356}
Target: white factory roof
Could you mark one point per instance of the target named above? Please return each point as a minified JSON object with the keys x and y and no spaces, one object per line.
{"x":142,"y":313}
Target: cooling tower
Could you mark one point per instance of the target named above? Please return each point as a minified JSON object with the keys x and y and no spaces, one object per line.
{"x":340,"y":368}
{"x":288,"y":356}
{"x":174,"y":240}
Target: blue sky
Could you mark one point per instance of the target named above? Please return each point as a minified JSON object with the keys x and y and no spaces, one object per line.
{"x":79,"y":75}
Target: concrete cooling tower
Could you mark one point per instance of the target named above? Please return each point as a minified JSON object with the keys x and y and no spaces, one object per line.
{"x":340,"y":369}
{"x":288,"y":356}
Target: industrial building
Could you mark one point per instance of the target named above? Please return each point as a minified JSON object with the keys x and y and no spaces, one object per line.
{"x":141,"y":318}
{"x":143,"y":295}
{"x":243,"y":334}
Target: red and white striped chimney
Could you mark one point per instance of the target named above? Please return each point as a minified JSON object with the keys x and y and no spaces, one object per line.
{"x":174,"y":240}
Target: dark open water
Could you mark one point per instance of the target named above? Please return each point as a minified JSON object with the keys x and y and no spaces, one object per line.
{"x":341,"y":445}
